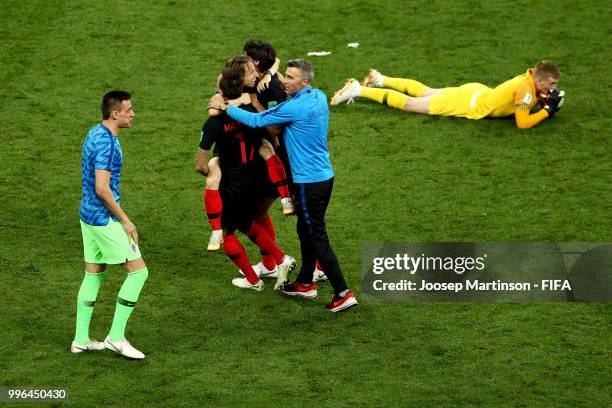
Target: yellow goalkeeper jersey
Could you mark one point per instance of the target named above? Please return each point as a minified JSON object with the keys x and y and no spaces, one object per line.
{"x":516,"y":96}
{"x":518,"y":93}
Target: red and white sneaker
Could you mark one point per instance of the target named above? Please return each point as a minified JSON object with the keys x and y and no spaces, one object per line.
{"x":339,"y":304}
{"x":297,"y":289}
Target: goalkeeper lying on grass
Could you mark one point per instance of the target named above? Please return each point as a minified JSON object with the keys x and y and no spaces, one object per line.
{"x":516,"y":96}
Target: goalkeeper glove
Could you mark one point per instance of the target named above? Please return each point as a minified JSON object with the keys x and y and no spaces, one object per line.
{"x":555,"y":101}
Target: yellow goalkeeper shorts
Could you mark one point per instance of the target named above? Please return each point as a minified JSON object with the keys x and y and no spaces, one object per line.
{"x":457,"y":101}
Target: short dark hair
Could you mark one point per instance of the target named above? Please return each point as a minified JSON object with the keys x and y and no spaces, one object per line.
{"x":304,"y":67}
{"x":112,"y":101}
{"x":546,"y":69}
{"x":262,"y":52}
{"x":231,"y":82}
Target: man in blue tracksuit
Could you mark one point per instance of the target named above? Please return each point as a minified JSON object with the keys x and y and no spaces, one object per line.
{"x":305,"y":118}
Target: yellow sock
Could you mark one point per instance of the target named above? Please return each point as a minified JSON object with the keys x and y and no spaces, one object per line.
{"x":387,"y":97}
{"x":407,"y":86}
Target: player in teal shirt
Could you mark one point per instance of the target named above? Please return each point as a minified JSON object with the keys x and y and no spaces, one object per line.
{"x":109,"y":237}
{"x":101,"y":151}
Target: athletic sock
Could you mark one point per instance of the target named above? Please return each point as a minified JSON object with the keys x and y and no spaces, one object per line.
{"x":343,"y":293}
{"x":267,"y":259}
{"x":268,"y":226}
{"x":262,"y":240}
{"x":213,"y":206}
{"x":86,"y":299}
{"x":128,"y":295}
{"x":235,"y":251}
{"x":277,"y":174}
{"x":406,"y":86}
{"x":387,"y":97}
{"x":318,"y":266}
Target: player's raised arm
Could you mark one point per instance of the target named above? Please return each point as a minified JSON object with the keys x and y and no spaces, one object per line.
{"x":266,"y":78}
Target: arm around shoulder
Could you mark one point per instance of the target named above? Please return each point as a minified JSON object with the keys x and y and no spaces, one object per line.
{"x":283,"y":113}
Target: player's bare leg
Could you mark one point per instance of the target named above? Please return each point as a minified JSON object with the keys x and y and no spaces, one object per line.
{"x":417,"y":105}
{"x":214,"y":174}
{"x":266,"y":150}
{"x":433,"y":91}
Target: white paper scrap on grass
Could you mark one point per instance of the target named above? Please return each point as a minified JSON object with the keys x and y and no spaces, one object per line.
{"x":352,"y":45}
{"x":318,"y":53}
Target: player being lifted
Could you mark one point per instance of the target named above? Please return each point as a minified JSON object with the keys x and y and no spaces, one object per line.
{"x":306,"y":120}
{"x":276,"y":171}
{"x":517,"y":96}
{"x":244,"y":185}
{"x":269,"y":94}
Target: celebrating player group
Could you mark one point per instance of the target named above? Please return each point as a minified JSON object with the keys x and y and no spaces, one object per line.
{"x":267,"y":135}
{"x":265,"y":153}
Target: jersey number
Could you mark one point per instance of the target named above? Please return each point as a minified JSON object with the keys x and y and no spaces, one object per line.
{"x":243,"y":152}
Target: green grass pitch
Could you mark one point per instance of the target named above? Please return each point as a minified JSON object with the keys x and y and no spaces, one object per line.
{"x":399,"y":178}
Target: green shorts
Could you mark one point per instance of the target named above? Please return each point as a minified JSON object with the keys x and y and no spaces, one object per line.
{"x":108,"y":244}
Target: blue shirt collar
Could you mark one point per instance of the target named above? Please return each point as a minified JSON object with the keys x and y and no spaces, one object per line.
{"x":302,"y":91}
{"x":107,"y":129}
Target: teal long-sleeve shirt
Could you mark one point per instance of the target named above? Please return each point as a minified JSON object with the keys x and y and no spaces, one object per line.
{"x":306,"y":119}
